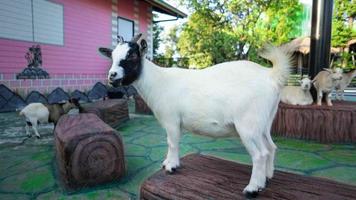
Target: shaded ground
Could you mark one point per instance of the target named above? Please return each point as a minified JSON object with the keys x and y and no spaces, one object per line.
{"x":28,"y":168}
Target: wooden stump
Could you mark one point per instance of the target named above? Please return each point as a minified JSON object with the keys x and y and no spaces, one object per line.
{"x":141,"y":107}
{"x":88,"y":151}
{"x":204,"y":177}
{"x":326,"y":124}
{"x":111,"y":111}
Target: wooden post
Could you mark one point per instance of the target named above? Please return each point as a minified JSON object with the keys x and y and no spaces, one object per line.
{"x":319,"y":57}
{"x":88,"y":151}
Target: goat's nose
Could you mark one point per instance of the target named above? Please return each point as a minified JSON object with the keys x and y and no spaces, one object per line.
{"x":112,"y":75}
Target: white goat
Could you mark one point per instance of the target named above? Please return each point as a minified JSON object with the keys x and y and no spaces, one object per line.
{"x":35,"y":113}
{"x":345,"y":81}
{"x":228,"y":99}
{"x":298,"y":95}
{"x":325,"y":82}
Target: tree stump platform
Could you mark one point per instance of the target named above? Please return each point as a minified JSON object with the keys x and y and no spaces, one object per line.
{"x":88,"y":151}
{"x":203,"y":177}
{"x":325,"y":124}
{"x":141,"y":107}
{"x":111,"y":111}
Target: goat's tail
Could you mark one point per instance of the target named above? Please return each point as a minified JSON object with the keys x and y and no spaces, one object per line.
{"x":281,"y":60}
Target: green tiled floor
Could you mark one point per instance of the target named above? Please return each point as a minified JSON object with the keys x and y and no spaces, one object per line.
{"x":28,"y":168}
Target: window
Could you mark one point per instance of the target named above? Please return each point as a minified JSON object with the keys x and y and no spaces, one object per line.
{"x":32,"y":20}
{"x":125,"y":28}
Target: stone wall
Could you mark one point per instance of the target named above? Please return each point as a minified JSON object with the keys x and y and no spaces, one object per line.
{"x":11,"y":100}
{"x":68,"y":82}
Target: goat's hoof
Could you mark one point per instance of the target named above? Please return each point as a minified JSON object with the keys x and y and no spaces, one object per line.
{"x":172,"y":171}
{"x":251,"y":195}
{"x":29,"y":136}
{"x":38,"y":137}
{"x":268,"y":180}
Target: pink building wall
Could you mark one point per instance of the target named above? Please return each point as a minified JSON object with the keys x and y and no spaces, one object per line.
{"x":76,"y":64}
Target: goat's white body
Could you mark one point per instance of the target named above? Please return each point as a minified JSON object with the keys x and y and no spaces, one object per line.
{"x":210,"y":101}
{"x":34,"y":113}
{"x":295,"y":95}
{"x":228,"y":99}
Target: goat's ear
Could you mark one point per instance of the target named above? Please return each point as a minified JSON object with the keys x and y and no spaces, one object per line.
{"x":313,"y":81}
{"x":105,"y":52}
{"x":143,"y":47}
{"x":300,"y":81}
{"x":329,"y":70}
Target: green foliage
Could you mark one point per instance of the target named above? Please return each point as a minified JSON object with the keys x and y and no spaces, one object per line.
{"x":219,"y":31}
{"x":343,"y":28}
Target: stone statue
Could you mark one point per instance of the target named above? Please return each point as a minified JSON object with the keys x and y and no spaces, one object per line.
{"x":34,"y":64}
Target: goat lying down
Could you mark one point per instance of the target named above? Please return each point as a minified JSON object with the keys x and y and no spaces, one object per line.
{"x":35,"y":113}
{"x":228,"y":99}
{"x":298,"y":95}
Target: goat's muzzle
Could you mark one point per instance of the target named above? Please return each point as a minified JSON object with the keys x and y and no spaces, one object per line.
{"x":115,"y":83}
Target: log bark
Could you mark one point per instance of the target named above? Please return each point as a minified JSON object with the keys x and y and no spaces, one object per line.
{"x":141,"y":107}
{"x":205,"y":177}
{"x":88,"y":151}
{"x":325,"y":124}
{"x":111,"y":111}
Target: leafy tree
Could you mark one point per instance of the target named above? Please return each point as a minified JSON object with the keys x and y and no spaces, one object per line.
{"x":343,"y":29}
{"x":222,"y":30}
{"x":343,"y":22}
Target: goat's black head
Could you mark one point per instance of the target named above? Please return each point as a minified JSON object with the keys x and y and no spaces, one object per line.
{"x":126,"y":60}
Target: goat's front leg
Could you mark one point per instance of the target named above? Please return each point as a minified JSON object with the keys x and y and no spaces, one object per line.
{"x":328,"y":99}
{"x":172,"y":160}
{"x":27,"y":128}
{"x":319,"y":97}
{"x":34,"y":127}
{"x":337,"y":95}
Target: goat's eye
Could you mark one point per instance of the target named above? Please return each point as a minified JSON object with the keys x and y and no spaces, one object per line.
{"x":133,"y":56}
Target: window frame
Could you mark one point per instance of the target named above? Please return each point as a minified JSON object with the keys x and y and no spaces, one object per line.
{"x":128,"y":20}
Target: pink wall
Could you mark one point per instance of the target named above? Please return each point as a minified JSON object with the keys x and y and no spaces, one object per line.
{"x":125,"y":9}
{"x":76,"y":64}
{"x":143,"y":16}
{"x":87,"y":25}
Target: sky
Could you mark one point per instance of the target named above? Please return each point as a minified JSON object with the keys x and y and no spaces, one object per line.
{"x":168,"y":25}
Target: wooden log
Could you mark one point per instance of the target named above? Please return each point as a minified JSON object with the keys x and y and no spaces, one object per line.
{"x":141,"y":107}
{"x":205,"y":177}
{"x":325,"y":124}
{"x":88,"y":151}
{"x":111,"y":111}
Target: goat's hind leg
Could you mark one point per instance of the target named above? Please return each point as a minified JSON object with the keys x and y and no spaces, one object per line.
{"x":34,"y":127}
{"x":270,"y":157}
{"x":27,"y":128}
{"x":256,"y":147}
{"x":171,"y":162}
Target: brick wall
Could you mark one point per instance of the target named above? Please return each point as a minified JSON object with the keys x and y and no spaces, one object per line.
{"x":68,"y":82}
